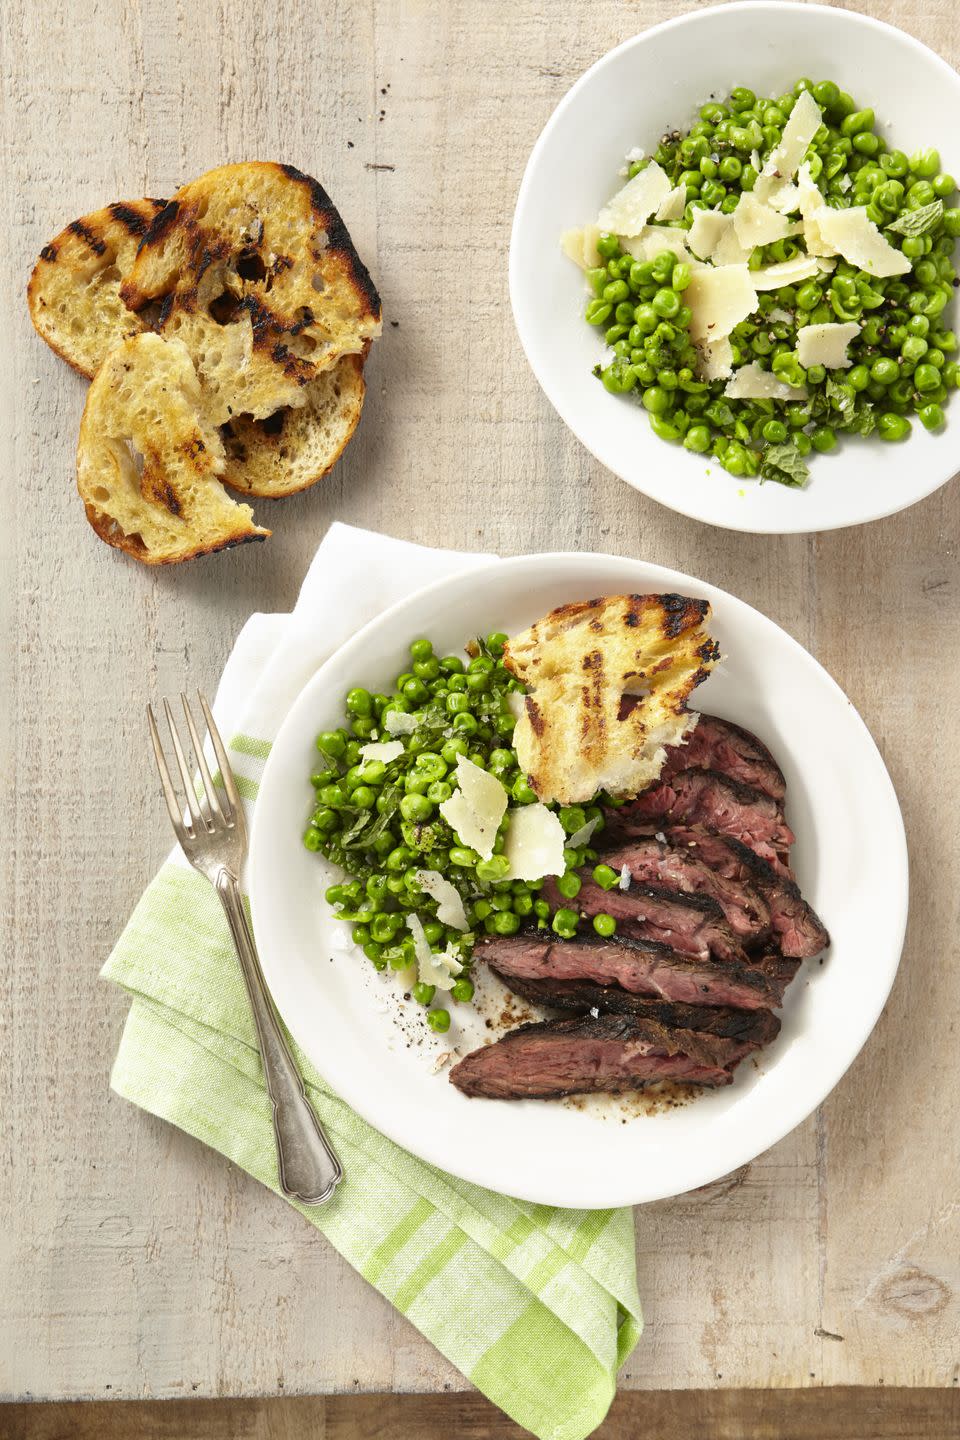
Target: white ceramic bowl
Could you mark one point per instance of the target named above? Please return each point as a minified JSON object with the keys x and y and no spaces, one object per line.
{"x":850,"y":858}
{"x":657,"y":81}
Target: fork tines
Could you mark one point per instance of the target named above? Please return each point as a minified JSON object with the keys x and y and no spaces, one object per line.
{"x":215,"y":810}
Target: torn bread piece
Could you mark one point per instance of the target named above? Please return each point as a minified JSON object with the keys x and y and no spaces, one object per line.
{"x":148,"y":463}
{"x":295,"y":447}
{"x":74,"y":291}
{"x":608,"y":682}
{"x":256,"y":273}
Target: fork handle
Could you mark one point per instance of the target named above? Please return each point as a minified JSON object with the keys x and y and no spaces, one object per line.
{"x":309,"y":1170}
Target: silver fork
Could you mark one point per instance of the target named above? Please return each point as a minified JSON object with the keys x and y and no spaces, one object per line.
{"x":213,"y":837}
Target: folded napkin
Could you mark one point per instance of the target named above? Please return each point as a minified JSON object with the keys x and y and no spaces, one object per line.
{"x":537,"y":1306}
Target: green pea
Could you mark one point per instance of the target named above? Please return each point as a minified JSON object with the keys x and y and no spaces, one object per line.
{"x":926,"y":377}
{"x":925,"y":163}
{"x":565,"y":923}
{"x":893,"y":427}
{"x":364,"y":798}
{"x":665,"y":303}
{"x":884,"y":371}
{"x":312,"y":837}
{"x":857,"y":123}
{"x":866,"y":143}
{"x":931,"y":417}
{"x":606,"y":877}
{"x":775,"y":432}
{"x":423,"y":994}
{"x":826,"y":94}
{"x":505,"y":922}
{"x":493,"y":870}
{"x":439,"y":1020}
{"x":463,"y":856}
{"x":914,"y":348}
{"x":358,"y":701}
{"x":598,"y":312}
{"x":608,"y":246}
{"x":823,"y":439}
{"x":698,"y":439}
{"x":462,"y":991}
{"x":568,"y":885}
{"x":656,"y":400}
{"x":809,"y":296}
{"x":331,"y":743}
{"x":951,"y":221}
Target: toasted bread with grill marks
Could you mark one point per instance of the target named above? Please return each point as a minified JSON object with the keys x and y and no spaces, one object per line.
{"x":256,"y":273}
{"x":74,"y":291}
{"x":608,"y":682}
{"x":148,"y":462}
{"x":294,"y":448}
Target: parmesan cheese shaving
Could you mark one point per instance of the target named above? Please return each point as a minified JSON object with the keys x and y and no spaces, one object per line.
{"x":625,"y":879}
{"x":854,"y":236}
{"x":673,"y":207}
{"x":398,"y":722}
{"x":631,"y":208}
{"x":580,"y":246}
{"x":585,"y":833}
{"x":802,"y":124}
{"x":785,"y":198}
{"x":751,"y":383}
{"x":654,"y":239}
{"x":729,"y":251}
{"x":826,"y":345}
{"x":437,"y":970}
{"x":787,"y":272}
{"x":719,"y":299}
{"x":712,"y":237}
{"x":534,"y":843}
{"x":756,"y":223}
{"x":476,"y":807}
{"x":450,"y":909}
{"x":386,"y":751}
{"x":716,"y":360}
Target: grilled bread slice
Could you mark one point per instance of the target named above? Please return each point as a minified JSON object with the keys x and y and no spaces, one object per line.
{"x":148,"y":463}
{"x":257,"y":275}
{"x":74,"y":291}
{"x":608,"y":682}
{"x":294,"y":448}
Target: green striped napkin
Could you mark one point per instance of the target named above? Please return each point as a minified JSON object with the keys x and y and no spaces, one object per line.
{"x":537,"y":1306}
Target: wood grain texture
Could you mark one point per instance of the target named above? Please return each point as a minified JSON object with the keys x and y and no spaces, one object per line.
{"x":838,"y":1413}
{"x":133,"y":1262}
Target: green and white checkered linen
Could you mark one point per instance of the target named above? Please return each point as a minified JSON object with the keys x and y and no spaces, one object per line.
{"x":537,"y":1306}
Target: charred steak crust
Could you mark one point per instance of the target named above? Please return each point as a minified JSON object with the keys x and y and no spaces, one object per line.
{"x":690,"y":924}
{"x":797,"y":927}
{"x":720,"y":745}
{"x":653,"y":861}
{"x":553,"y":1058}
{"x":641,"y":967}
{"x":757,"y":1027}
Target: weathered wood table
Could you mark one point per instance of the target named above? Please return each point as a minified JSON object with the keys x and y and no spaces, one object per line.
{"x":132,"y":1261}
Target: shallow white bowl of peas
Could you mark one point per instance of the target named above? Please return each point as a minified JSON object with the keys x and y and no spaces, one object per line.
{"x":655,"y":83}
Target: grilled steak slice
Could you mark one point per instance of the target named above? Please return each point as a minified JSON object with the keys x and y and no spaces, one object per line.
{"x":704,"y":797}
{"x":798,"y":929}
{"x":580,"y":1055}
{"x":758,"y":1027}
{"x":690,"y":924}
{"x":639,"y":966}
{"x":680,"y":868}
{"x":715,"y":744}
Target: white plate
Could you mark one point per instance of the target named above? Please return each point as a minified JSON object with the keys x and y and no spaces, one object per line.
{"x":850,"y":857}
{"x":656,"y":81}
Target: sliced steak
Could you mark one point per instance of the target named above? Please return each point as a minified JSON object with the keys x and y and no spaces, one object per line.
{"x":690,"y":924}
{"x":798,"y":928}
{"x":756,"y":1027}
{"x":581,"y":1055}
{"x":638,"y":966}
{"x":704,"y":797}
{"x":653,"y":862}
{"x":720,"y":745}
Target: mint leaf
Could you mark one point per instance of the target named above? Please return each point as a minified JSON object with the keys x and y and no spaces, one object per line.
{"x":784,"y":464}
{"x":919,"y":221}
{"x":862,"y":421}
{"x":840,"y":395}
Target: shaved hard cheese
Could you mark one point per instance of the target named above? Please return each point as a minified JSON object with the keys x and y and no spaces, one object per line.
{"x":385,"y":750}
{"x":756,"y":223}
{"x":826,"y":345}
{"x":729,"y":251}
{"x":808,"y":191}
{"x":631,"y":208}
{"x":516,"y":703}
{"x":780,"y":316}
{"x":626,"y":879}
{"x":476,"y":807}
{"x":398,"y":722}
{"x":673,"y":207}
{"x":752,"y":383}
{"x":706,"y":231}
{"x":787,"y":272}
{"x":719,"y":299}
{"x":716,"y":360}
{"x":802,"y":124}
{"x":785,"y":198}
{"x":854,"y":236}
{"x":580,"y":246}
{"x":653,"y":240}
{"x":584,"y":834}
{"x":450,"y":909}
{"x":534,"y":843}
{"x":437,"y":970}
